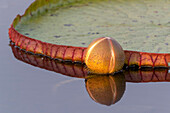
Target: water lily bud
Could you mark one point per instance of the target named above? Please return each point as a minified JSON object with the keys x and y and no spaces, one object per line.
{"x":104,"y":55}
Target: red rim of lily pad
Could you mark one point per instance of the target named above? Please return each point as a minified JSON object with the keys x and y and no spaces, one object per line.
{"x":77,"y":54}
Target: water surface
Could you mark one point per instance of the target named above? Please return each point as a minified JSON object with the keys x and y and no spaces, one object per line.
{"x":25,"y":88}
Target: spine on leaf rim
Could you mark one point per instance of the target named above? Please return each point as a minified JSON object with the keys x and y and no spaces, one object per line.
{"x":77,"y":54}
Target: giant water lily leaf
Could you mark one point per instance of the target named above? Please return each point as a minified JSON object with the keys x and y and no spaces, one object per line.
{"x":138,"y":25}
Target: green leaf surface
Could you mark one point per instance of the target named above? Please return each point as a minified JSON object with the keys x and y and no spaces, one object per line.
{"x":140,"y":25}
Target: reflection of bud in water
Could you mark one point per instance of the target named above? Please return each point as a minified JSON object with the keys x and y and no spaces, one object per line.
{"x":107,"y":89}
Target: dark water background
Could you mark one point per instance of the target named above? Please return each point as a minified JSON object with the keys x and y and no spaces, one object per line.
{"x":27,"y":89}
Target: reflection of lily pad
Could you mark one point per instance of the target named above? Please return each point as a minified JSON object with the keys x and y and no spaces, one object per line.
{"x":140,"y":25}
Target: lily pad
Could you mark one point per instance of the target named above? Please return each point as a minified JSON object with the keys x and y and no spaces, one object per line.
{"x":63,"y":29}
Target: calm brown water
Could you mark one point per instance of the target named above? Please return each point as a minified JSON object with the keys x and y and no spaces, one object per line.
{"x":28,"y":89}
